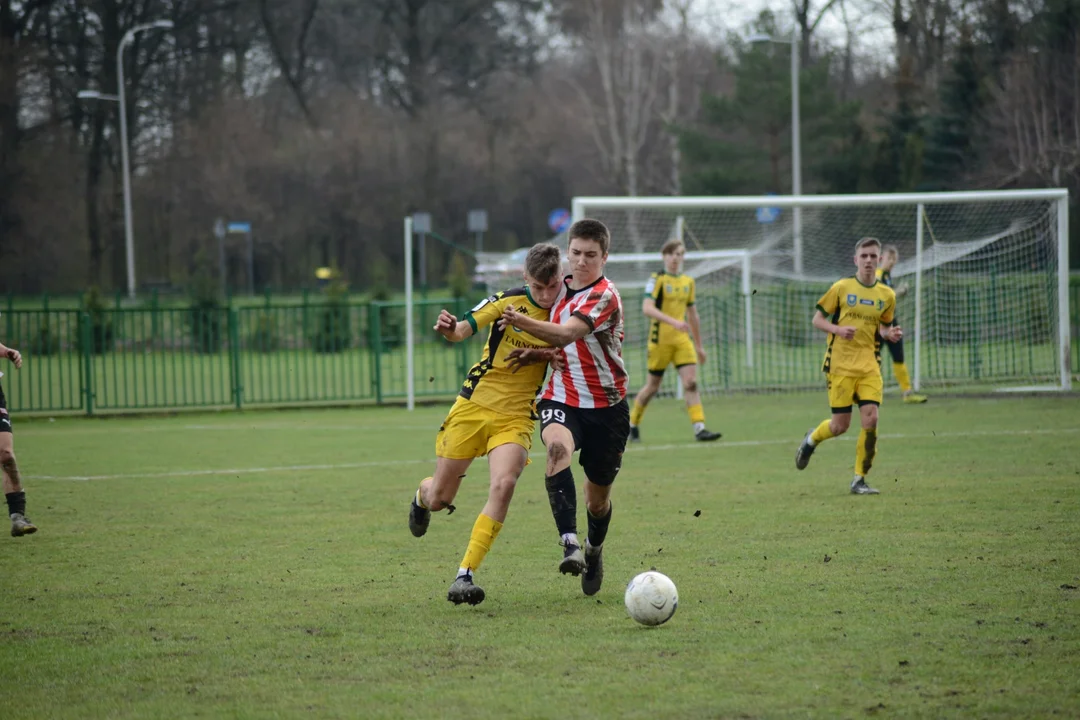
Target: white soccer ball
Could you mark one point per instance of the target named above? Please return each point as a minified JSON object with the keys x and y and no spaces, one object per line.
{"x":651,"y":598}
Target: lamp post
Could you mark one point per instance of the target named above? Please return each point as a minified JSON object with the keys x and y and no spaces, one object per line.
{"x":129,"y":238}
{"x":796,"y":144}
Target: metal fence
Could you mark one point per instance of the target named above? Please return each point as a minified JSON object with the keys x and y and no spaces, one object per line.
{"x":114,"y":360}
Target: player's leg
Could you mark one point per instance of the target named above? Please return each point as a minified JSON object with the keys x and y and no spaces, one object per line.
{"x":12,"y":483}
{"x":896,"y":350}
{"x":688,"y":375}
{"x":561,"y":435}
{"x":601,"y":459}
{"x":505,"y":462}
{"x":657,"y":360}
{"x":462,"y":438}
{"x":869,"y":398}
{"x":437,"y":492}
{"x":841,"y":397}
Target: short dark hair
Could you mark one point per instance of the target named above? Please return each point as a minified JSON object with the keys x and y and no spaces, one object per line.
{"x":543,"y":262}
{"x":672,"y":246}
{"x":590,"y":230}
{"x":867,"y":241}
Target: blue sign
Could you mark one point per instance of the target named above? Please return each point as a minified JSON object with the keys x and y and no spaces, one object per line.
{"x":559,"y":220}
{"x":767,"y":215}
{"x":239,"y":227}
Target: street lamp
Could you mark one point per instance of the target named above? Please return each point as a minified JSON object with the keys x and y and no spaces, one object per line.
{"x":796,"y":145}
{"x":129,"y":239}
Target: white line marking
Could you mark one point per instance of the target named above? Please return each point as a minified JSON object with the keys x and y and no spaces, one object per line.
{"x":633,"y":449}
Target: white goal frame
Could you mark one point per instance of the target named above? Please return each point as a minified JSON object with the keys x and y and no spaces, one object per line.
{"x":581,"y":206}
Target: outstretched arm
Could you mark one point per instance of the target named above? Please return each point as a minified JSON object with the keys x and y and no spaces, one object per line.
{"x":451,"y":328}
{"x":11,"y":354}
{"x":551,"y":333}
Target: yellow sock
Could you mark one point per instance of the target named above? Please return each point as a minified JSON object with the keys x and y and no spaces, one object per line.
{"x":821,"y":433}
{"x":484,"y":532}
{"x":636,"y":413}
{"x":697,"y":413}
{"x":865,"y":450}
{"x":900,"y":371}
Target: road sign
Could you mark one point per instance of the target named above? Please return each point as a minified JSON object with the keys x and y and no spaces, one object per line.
{"x":219,"y":229}
{"x":239,"y":227}
{"x":559,"y":220}
{"x":421,"y":222}
{"x":478,"y":221}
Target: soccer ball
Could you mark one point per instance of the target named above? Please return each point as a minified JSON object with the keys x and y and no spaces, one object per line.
{"x":651,"y":598}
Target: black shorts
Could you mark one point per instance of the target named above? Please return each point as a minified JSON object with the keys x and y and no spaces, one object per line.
{"x":599,"y":433}
{"x":5,"y":419}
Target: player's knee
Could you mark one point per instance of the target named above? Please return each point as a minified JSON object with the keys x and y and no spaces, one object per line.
{"x":557,"y":452}
{"x":502,"y":486}
{"x":840,"y":424}
{"x":690,"y":386}
{"x":870,"y":417}
{"x":7,"y":458}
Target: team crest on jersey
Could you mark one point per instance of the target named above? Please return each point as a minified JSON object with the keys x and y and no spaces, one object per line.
{"x":669,"y":289}
{"x":852,"y":299}
{"x":880,"y":304}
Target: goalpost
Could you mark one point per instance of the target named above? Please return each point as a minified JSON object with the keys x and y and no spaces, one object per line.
{"x":986,"y":276}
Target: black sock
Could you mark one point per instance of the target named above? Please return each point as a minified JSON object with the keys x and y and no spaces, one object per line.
{"x":563,"y":498}
{"x":16,"y":502}
{"x":598,"y":527}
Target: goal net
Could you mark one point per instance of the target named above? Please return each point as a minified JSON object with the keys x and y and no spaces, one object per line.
{"x":982,"y":282}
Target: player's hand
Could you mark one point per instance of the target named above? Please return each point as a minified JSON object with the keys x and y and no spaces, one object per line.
{"x":894,"y":334}
{"x":681,"y":326}
{"x":847,"y":332}
{"x":509,"y":318}
{"x":700,"y":355}
{"x":15,"y":357}
{"x":445,"y":324}
{"x":520,"y":357}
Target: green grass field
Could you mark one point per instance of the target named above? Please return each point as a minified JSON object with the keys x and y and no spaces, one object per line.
{"x":258,"y":564}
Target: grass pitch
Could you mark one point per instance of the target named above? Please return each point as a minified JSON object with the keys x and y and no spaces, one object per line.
{"x":258,"y":564}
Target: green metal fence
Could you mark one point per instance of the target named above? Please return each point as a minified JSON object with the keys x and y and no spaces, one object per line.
{"x":168,"y":358}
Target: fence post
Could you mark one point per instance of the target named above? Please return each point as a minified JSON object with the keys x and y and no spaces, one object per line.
{"x":234,"y":357}
{"x":86,"y":349}
{"x":375,"y":328}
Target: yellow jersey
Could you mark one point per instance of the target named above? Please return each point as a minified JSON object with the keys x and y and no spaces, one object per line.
{"x":884,"y":276}
{"x":673,"y":294}
{"x":849,"y":303}
{"x":490,"y":383}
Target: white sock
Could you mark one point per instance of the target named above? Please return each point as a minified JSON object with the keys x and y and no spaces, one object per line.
{"x":570,"y":539}
{"x":464,"y":571}
{"x":810,"y":441}
{"x":698,"y":427}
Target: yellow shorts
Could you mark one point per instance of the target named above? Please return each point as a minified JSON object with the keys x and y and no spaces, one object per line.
{"x":844,"y":390}
{"x":663,"y":354}
{"x":472,"y":431}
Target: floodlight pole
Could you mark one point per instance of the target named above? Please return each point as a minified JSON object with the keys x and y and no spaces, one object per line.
{"x":129,"y":236}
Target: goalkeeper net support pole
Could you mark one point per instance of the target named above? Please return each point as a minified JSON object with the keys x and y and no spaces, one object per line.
{"x":989,"y":270}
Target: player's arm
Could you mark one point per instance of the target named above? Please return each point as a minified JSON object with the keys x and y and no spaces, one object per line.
{"x":822,"y":323}
{"x":648,"y":307}
{"x":11,"y":354}
{"x":451,"y":328}
{"x":552,"y":333}
{"x":694,"y":321}
{"x":892,"y":333}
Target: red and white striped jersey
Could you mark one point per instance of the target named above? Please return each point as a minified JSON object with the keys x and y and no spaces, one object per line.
{"x":593,"y":374}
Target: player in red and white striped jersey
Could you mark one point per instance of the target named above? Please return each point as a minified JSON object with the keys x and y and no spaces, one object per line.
{"x":583,"y":406}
